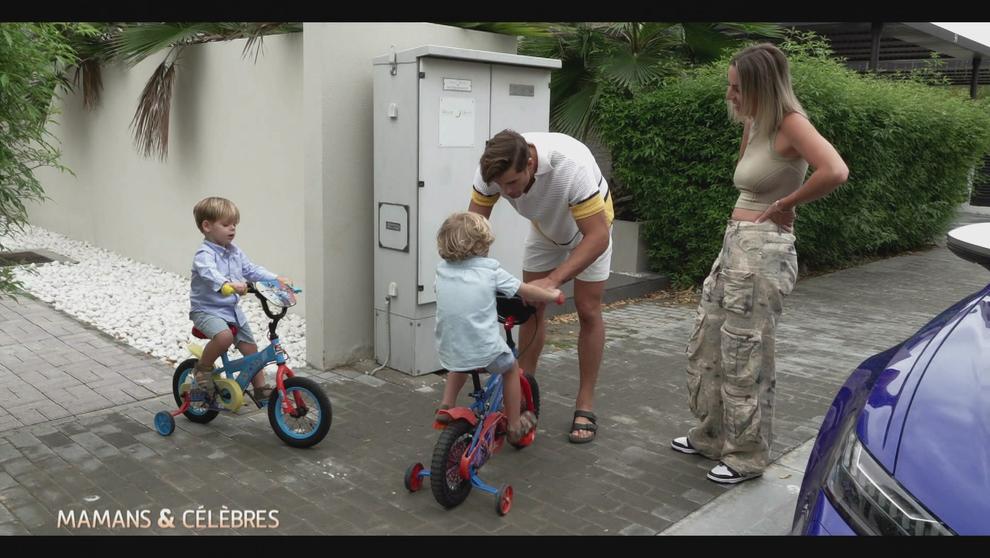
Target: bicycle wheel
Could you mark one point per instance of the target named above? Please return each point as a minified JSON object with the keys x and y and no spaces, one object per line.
{"x":503,"y":500}
{"x":307,"y":425}
{"x":449,"y":487}
{"x":534,"y":388}
{"x":197,"y":412}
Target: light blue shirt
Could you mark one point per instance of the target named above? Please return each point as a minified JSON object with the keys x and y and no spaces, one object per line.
{"x":213,"y":265}
{"x":467,"y":332}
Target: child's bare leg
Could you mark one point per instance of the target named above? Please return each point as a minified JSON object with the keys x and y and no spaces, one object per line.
{"x":513,"y":396}
{"x":216,"y":347}
{"x":455,"y":381}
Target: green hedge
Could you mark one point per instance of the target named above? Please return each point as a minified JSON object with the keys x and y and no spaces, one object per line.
{"x":909,"y":148}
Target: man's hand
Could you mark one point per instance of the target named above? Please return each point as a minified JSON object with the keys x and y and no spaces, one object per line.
{"x":779,"y":215}
{"x":284,"y":280}
{"x":547,"y":284}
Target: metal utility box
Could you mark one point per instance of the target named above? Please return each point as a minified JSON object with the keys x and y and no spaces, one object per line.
{"x":434,"y":109}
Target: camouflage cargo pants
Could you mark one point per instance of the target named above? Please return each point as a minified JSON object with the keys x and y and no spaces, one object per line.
{"x":731,"y":350}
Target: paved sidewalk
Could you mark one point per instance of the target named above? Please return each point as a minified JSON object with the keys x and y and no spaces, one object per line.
{"x":753,"y":508}
{"x":76,"y":431}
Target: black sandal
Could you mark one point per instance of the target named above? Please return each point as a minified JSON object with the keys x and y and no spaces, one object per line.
{"x":591,"y":427}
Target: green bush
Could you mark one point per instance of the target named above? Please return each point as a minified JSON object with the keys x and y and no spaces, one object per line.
{"x":909,"y":148}
{"x":32,"y":57}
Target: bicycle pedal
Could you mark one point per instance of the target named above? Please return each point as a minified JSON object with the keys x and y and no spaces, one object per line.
{"x":216,"y":404}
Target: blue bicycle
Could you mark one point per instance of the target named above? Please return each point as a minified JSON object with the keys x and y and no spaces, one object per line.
{"x":299,"y":411}
{"x":477,"y":432}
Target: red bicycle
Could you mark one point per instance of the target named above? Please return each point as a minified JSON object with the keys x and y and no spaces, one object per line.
{"x":477,"y":432}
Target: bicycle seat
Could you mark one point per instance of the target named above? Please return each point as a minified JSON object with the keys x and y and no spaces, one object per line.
{"x":200,"y":335}
{"x":514,"y":307}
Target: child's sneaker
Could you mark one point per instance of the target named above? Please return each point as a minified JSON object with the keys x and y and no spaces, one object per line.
{"x":442,"y":418}
{"x":263,"y":393}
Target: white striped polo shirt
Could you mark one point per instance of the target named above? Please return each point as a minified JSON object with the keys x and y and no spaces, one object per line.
{"x":569,"y":186}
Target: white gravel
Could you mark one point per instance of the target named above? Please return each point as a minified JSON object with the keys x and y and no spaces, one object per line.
{"x":139,"y":304}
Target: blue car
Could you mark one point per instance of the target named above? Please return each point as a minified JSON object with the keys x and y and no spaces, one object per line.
{"x":905,"y":446}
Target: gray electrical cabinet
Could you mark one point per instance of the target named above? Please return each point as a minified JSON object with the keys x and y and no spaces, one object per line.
{"x":434,"y":109}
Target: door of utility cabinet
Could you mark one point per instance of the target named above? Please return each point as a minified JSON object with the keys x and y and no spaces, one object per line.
{"x":454,"y":107}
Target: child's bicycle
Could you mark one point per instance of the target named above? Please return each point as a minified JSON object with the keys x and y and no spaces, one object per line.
{"x":299,"y":411}
{"x":477,"y":432}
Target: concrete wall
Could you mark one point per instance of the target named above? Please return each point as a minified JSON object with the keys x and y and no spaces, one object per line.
{"x":235,"y":132}
{"x":288,"y":138}
{"x":339,"y":172}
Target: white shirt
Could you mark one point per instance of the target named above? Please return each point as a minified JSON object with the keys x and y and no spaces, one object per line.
{"x":568,"y":186}
{"x":467,"y":334}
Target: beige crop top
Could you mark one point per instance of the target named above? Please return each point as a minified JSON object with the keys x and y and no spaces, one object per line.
{"x":763,"y":176}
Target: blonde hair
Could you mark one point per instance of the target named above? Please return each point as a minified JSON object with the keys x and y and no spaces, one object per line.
{"x":463,"y":235}
{"x":214,"y":209}
{"x":765,"y":88}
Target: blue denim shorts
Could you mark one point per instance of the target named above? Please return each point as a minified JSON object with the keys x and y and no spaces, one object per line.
{"x":211,"y":325}
{"x":503,"y":363}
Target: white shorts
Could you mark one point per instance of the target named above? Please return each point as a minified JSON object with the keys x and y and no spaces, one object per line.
{"x":542,"y":254}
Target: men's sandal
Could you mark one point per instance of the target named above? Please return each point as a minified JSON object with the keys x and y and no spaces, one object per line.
{"x":590,"y":427}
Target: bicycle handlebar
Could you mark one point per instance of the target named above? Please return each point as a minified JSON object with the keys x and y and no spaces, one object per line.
{"x":227,"y":289}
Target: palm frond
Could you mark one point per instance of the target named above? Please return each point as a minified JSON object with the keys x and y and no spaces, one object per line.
{"x":631,"y":70}
{"x":136,"y":42}
{"x":256,"y":32}
{"x":89,"y":72}
{"x":574,"y":115}
{"x":707,"y":41}
{"x":151,"y":119}
{"x":517,"y":29}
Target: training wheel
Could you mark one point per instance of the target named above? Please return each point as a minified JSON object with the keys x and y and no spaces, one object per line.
{"x":413,"y":481}
{"x":503,"y":499}
{"x":164,"y":423}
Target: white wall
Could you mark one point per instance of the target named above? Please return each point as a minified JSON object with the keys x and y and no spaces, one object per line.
{"x":289,"y":139}
{"x":235,"y":132}
{"x":339,"y":172}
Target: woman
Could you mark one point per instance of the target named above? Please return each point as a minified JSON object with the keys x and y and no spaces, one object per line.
{"x":731,"y":351}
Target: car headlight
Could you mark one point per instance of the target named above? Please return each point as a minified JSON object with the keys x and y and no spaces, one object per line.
{"x":874,"y":502}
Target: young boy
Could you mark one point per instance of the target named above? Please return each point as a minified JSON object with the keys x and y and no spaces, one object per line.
{"x":217,"y":263}
{"x":467,"y":323}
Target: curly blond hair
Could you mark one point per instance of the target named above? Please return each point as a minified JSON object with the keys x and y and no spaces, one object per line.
{"x":463,"y":235}
{"x":215,"y":209}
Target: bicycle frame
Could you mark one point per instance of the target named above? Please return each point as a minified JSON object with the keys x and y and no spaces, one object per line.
{"x":249,"y":366}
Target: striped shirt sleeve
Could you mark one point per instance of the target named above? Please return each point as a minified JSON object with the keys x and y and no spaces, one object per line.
{"x":585,"y":200}
{"x":481,"y":192}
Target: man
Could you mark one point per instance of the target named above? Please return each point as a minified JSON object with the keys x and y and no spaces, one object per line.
{"x":554,"y":181}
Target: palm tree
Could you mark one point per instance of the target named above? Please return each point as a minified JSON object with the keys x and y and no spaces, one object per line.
{"x":625,"y":58}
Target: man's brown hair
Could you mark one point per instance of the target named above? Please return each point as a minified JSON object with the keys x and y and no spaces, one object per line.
{"x":507,"y":149}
